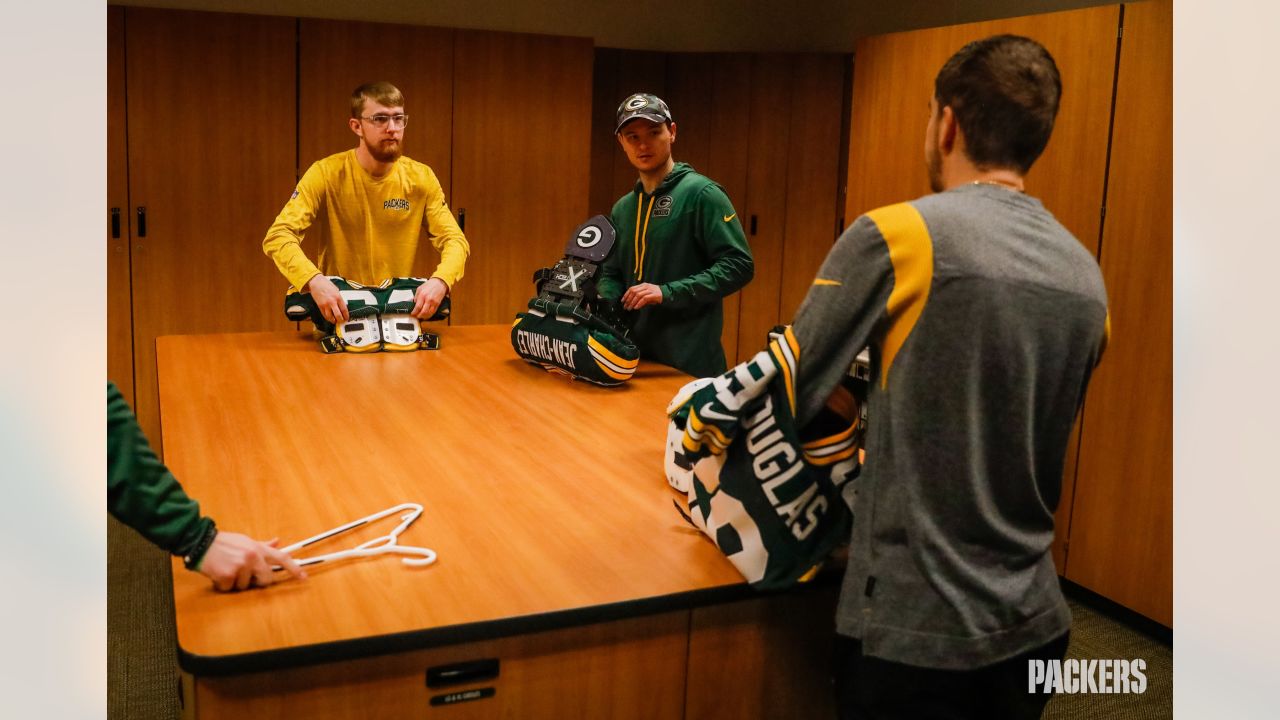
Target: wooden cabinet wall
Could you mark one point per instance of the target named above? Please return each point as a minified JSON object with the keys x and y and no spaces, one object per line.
{"x":814,"y":181}
{"x":1115,"y":512}
{"x":211,"y":158}
{"x":766,"y":127}
{"x":769,"y":657}
{"x":893,"y":81}
{"x":520,"y":162}
{"x":1122,"y":521}
{"x":212,"y":117}
{"x":764,"y":213}
{"x":119,"y":312}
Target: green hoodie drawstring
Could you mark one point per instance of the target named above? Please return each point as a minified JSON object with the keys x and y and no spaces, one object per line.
{"x":641,"y":234}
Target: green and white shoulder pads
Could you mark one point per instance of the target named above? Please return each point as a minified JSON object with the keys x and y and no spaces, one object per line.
{"x":380,"y":317}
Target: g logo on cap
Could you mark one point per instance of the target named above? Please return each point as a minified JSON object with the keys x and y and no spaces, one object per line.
{"x":635,"y":102}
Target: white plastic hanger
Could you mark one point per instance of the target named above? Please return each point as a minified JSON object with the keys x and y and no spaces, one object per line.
{"x":377,"y":546}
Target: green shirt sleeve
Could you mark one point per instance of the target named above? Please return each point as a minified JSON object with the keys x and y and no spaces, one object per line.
{"x":141,"y":492}
{"x":719,"y":233}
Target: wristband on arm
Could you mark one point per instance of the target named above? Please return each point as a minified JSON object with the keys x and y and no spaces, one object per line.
{"x":192,"y":559}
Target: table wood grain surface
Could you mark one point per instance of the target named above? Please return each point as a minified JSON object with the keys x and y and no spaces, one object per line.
{"x":541,"y":495}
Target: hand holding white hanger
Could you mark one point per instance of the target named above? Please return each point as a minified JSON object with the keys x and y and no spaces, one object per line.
{"x":237,"y":562}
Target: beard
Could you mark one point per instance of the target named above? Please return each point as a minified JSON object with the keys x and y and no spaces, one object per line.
{"x":386,"y":151}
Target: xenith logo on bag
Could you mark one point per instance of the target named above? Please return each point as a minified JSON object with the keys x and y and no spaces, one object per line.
{"x":397,"y":204}
{"x":1086,"y":676}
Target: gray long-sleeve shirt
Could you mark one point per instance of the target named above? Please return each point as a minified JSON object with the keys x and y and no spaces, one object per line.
{"x":985,"y":318}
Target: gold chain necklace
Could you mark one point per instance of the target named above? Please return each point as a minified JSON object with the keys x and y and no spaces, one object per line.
{"x":998,"y":183}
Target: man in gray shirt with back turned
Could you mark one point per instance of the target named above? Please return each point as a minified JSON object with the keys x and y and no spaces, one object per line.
{"x":985,"y":318}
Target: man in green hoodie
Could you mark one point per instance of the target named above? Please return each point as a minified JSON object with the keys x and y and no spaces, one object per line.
{"x":680,"y":247}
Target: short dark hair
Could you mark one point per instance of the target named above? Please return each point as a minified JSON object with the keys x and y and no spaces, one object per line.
{"x":1004,"y":92}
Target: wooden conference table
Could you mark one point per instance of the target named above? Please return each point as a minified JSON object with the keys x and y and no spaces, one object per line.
{"x":566,"y":585}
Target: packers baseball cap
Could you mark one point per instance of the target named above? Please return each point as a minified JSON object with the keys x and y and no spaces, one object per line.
{"x":642,"y":105}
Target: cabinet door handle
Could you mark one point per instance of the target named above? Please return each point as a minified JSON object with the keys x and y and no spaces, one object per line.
{"x":462,"y":219}
{"x":115,"y":222}
{"x":142,"y":221}
{"x":473,"y":671}
{"x":753,"y":224}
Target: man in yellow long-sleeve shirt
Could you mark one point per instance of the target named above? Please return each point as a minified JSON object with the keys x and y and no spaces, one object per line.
{"x":377,"y":203}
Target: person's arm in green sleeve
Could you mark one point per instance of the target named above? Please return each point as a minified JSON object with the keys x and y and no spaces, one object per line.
{"x":720,"y":232}
{"x":143,"y":494}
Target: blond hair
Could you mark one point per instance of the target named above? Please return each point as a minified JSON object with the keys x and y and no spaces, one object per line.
{"x":381,"y":92}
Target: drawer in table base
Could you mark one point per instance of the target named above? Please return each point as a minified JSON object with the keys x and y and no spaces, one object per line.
{"x":632,"y":668}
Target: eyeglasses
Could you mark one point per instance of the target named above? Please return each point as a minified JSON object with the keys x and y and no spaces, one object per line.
{"x":382,"y":120}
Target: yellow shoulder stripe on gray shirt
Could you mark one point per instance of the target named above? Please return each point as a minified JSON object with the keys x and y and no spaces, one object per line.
{"x":911,"y":253}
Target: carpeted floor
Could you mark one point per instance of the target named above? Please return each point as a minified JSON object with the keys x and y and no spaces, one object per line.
{"x":1094,"y":635}
{"x":142,"y":671}
{"x":142,"y":665}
